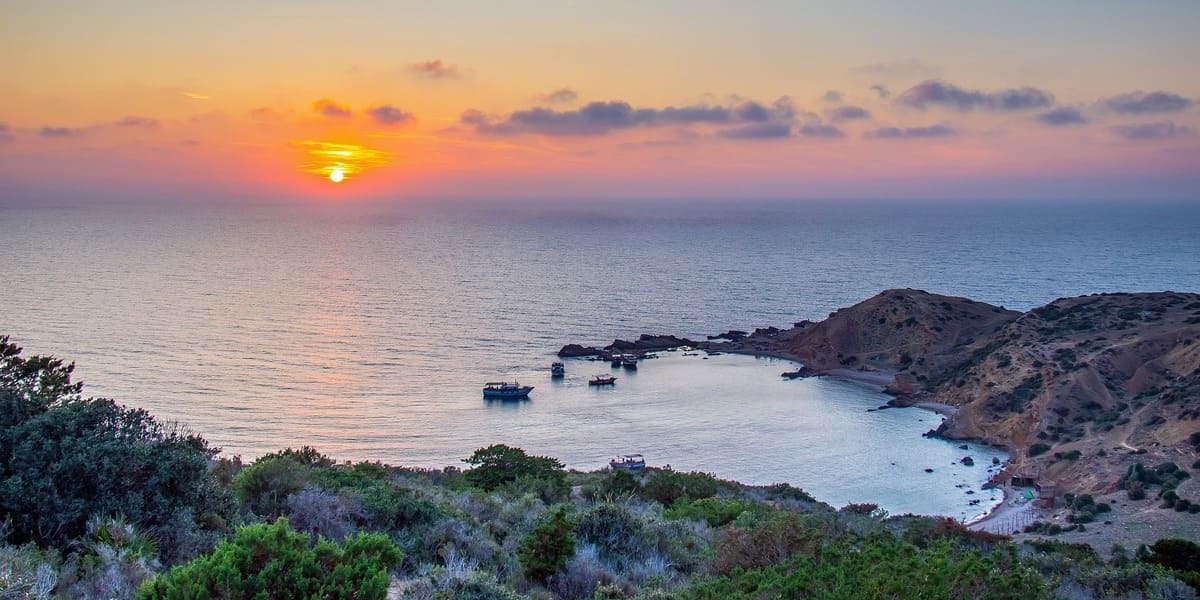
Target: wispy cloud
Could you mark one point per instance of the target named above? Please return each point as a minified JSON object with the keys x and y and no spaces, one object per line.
{"x":758,"y":131}
{"x":559,"y":96}
{"x":848,"y":113}
{"x":196,"y":95}
{"x":135,"y":121}
{"x":1062,"y":116}
{"x":819,"y":130}
{"x":1152,"y":131}
{"x":941,"y":93}
{"x":5,"y":133}
{"x":59,"y":132}
{"x":434,"y":69}
{"x":833,"y":96}
{"x":908,"y":133}
{"x":329,"y":108}
{"x":599,"y":118}
{"x":1141,"y":103}
{"x":906,"y":67}
{"x":386,"y":114}
{"x":881,"y":90}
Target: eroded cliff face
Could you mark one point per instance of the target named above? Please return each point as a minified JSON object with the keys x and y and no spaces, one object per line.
{"x":1102,"y":376}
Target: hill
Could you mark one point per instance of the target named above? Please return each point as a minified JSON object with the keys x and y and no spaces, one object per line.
{"x":1078,"y":390}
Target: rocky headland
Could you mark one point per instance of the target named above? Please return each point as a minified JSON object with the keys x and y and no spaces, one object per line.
{"x":1079,"y":391}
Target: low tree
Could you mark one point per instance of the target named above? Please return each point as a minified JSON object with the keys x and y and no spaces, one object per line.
{"x":499,"y":465}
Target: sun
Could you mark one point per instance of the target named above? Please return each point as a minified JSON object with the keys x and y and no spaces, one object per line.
{"x":336,"y":175}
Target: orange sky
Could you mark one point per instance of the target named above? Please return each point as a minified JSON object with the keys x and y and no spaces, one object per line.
{"x":590,"y":99}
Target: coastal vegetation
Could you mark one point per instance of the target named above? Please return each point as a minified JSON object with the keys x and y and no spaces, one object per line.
{"x":100,"y":500}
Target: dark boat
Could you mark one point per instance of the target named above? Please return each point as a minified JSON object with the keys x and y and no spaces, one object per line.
{"x":792,"y":374}
{"x":629,"y":361}
{"x":602,"y":380}
{"x":615,"y":360}
{"x":557,"y":369}
{"x":506,"y":390}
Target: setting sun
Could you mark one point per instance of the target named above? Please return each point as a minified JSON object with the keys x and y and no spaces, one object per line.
{"x":336,"y":175}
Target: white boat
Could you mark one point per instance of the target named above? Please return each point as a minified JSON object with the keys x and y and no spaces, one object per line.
{"x":504,"y":389}
{"x":629,"y":462}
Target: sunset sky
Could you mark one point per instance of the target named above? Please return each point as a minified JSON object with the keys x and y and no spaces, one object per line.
{"x":589,"y":99}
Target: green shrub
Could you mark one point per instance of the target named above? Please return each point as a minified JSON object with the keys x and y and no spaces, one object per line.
{"x":273,"y":561}
{"x":546,"y":550}
{"x":879,"y":566}
{"x":614,"y":531}
{"x":265,"y":485}
{"x":64,"y":459}
{"x":1038,"y":449}
{"x":667,"y":486}
{"x":714,"y":511}
{"x":498,"y":465}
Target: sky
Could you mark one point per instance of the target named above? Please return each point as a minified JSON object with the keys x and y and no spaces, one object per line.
{"x":223,"y":100}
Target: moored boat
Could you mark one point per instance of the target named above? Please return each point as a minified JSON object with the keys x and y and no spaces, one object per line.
{"x":630,"y":361}
{"x":557,"y":369}
{"x":504,"y":389}
{"x":615,"y":359}
{"x":629,"y":462}
{"x":602,"y":380}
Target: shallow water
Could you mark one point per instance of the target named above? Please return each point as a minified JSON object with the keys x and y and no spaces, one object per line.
{"x":368,"y":333}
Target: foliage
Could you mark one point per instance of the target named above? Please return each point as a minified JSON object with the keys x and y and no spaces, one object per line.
{"x":274,"y":561}
{"x":612,"y":529}
{"x":385,"y":505}
{"x":265,"y":485}
{"x":880,"y":566}
{"x":64,"y":459}
{"x":1178,"y":555}
{"x":499,"y":465}
{"x":714,"y":511}
{"x":666,"y":486}
{"x":549,"y":547}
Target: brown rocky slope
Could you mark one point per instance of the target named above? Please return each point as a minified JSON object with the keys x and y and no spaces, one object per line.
{"x":1077,"y":389}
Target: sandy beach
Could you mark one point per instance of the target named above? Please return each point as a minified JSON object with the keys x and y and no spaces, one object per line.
{"x":1006,"y":518}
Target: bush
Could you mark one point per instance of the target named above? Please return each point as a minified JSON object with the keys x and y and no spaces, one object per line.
{"x":275,"y":561}
{"x":546,"y":550}
{"x":667,"y":486}
{"x":265,"y":485}
{"x":612,"y":529}
{"x":1038,"y":449}
{"x":498,"y":465}
{"x":64,"y":459}
{"x":714,"y":511}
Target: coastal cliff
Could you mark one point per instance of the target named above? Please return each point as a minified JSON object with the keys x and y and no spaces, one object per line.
{"x":1078,"y":389}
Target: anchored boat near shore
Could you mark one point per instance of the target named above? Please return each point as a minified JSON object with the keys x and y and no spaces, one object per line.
{"x":506,"y":390}
{"x":629,"y":462}
{"x":602,"y":380}
{"x":557,"y":370}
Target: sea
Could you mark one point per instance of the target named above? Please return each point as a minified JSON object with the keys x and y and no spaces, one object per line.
{"x":368,"y":331}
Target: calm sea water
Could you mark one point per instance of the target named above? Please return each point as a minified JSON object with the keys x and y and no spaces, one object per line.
{"x":367,"y":332}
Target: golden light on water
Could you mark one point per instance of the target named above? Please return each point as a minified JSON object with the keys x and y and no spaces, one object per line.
{"x":340,"y":162}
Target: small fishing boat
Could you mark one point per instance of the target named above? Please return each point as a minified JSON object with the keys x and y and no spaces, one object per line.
{"x":506,"y":390}
{"x":615,"y":359}
{"x":630,"y":361}
{"x":602,"y":380}
{"x":792,"y":374}
{"x":557,"y":369}
{"x":629,"y":462}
